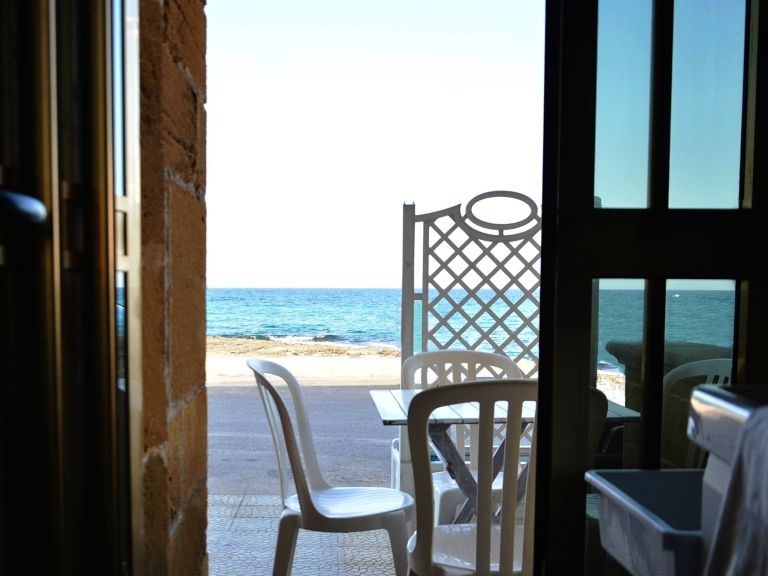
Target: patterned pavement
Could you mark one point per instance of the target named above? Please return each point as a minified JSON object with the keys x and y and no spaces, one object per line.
{"x":242,"y":533}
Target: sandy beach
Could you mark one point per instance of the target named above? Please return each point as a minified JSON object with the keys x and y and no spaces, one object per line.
{"x":328,"y":364}
{"x":313,"y":363}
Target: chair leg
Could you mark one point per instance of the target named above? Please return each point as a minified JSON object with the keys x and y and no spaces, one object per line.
{"x":394,"y":465}
{"x":287,"y":534}
{"x":398,"y":540}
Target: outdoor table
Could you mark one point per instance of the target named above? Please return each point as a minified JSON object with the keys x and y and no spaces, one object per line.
{"x":393,"y":410}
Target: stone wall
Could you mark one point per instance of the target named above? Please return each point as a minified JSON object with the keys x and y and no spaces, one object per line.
{"x":172,"y":45}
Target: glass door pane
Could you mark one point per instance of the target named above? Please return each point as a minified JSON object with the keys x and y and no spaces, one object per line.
{"x":619,"y":358}
{"x":707,"y":85}
{"x":623,"y":103}
{"x":700,"y":318}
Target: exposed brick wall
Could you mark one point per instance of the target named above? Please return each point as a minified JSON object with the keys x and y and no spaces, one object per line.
{"x":173,"y":241}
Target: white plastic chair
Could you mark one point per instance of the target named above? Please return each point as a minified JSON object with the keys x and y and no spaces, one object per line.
{"x":713,"y":371}
{"x":498,"y":543}
{"x":316,"y":505}
{"x":439,"y":368}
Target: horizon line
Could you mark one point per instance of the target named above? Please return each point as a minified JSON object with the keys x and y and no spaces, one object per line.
{"x":704,"y":289}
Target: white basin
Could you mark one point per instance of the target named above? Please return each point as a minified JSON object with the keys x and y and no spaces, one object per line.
{"x":662,"y":522}
{"x":650,"y":521}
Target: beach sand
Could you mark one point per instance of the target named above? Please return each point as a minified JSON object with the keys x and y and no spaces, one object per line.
{"x":328,"y":364}
{"x":313,"y":364}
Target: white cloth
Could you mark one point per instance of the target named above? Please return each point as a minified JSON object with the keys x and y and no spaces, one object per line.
{"x":740,"y":544}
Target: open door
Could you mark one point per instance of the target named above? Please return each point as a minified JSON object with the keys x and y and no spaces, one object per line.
{"x":70,"y":333}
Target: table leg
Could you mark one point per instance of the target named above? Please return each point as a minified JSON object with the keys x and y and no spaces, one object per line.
{"x":456,"y":467}
{"x":468,"y":510}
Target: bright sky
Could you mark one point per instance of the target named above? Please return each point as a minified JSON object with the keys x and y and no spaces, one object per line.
{"x":322,"y":123}
{"x":707,"y":71}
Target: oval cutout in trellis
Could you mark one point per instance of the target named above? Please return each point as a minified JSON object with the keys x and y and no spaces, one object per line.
{"x":501,"y":210}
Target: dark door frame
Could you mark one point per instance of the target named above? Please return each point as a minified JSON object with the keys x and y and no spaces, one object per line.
{"x":70,"y":448}
{"x":581,"y":243}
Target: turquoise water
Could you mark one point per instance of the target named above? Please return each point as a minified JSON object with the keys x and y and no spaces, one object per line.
{"x":372,"y":316}
{"x":328,"y":315}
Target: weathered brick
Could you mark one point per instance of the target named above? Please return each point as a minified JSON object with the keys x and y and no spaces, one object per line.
{"x":180,"y":160}
{"x":175,"y":467}
{"x":187,"y":546}
{"x":150,"y":43}
{"x":152,"y":180}
{"x":194,"y":19}
{"x":202,"y":139}
{"x":194,"y":419}
{"x":187,"y":291}
{"x":153,"y":217}
{"x":179,"y":104}
{"x":156,"y":525}
{"x":173,"y":77}
{"x":185,"y":31}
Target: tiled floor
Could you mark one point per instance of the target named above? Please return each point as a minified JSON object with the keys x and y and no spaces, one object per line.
{"x":243,"y":511}
{"x":242,"y":532}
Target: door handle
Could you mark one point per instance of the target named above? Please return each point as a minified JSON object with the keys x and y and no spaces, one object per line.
{"x":21,"y":208}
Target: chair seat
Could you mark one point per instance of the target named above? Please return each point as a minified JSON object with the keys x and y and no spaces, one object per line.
{"x":354,"y":502}
{"x":454,"y":548}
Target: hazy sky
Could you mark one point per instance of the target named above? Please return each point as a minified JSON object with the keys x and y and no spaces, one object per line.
{"x":707,"y":71}
{"x":321,"y":123}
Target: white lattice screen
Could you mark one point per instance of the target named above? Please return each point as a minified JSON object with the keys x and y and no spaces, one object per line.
{"x":480,"y":282}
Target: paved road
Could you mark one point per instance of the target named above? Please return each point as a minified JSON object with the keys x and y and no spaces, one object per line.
{"x":352,"y":444}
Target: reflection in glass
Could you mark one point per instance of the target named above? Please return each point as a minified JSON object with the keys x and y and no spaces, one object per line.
{"x":707,"y":79}
{"x":701,"y":311}
{"x":699,"y":326}
{"x":122,"y":351}
{"x":623,"y":103}
{"x":617,"y":326}
{"x":123,"y":436}
{"x":619,"y":307}
{"x":620,"y":320}
{"x":118,"y":104}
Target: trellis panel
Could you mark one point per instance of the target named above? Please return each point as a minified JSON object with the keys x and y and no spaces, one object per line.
{"x":480,"y":282}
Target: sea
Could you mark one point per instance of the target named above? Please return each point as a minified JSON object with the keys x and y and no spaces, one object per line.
{"x":372,"y":316}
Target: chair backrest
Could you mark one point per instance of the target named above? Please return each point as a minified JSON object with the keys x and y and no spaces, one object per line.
{"x":302,"y":461}
{"x":442,"y":367}
{"x":490,"y":531}
{"x":713,"y":371}
{"x":479,"y":281}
